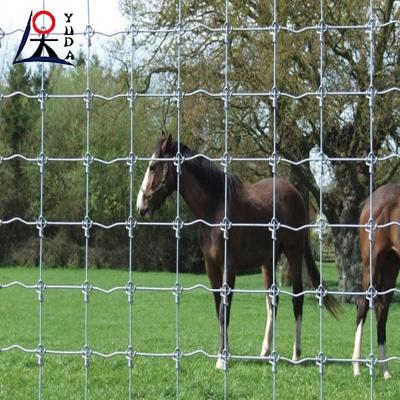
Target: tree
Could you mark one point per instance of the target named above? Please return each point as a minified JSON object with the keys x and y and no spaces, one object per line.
{"x":346,"y":121}
{"x":18,"y":116}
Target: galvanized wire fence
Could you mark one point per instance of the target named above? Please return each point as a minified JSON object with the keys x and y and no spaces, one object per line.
{"x":371,"y":27}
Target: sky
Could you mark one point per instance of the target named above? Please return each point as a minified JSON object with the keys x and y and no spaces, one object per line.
{"x":104,"y":17}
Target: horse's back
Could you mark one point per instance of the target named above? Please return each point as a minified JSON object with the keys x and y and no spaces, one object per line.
{"x":385,"y":205}
{"x":289,"y":203}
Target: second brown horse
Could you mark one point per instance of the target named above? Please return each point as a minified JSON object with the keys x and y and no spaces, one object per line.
{"x":380,"y":237}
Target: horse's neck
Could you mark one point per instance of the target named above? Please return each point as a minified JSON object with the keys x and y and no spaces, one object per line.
{"x":203,"y":203}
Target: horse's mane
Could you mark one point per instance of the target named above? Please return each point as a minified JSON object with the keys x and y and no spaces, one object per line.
{"x":208,"y":175}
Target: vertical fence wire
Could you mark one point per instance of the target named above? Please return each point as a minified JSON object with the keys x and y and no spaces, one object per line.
{"x":87,"y":224}
{"x":321,"y":357}
{"x":130,"y":221}
{"x":274,"y":222}
{"x":41,"y":226}
{"x":371,"y":161}
{"x":225,"y":290}
{"x":178,"y":222}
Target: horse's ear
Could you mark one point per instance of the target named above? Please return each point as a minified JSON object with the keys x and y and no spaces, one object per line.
{"x":163,"y":133}
{"x":166,"y":143}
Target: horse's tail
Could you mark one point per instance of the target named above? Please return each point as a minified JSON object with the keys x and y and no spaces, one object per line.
{"x":330,"y":301}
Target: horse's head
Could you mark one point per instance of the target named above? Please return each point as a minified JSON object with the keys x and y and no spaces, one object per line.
{"x":159,"y":181}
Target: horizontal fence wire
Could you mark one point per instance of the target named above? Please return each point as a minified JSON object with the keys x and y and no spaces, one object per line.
{"x":321,"y":160}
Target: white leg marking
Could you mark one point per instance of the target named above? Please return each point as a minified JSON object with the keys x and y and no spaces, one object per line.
{"x":383,"y":356}
{"x":139,"y":200}
{"x":357,"y":349}
{"x":297,"y":340}
{"x":266,"y":346}
{"x":221,"y":363}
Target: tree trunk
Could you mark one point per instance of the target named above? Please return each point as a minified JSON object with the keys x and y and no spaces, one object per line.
{"x":348,"y":261}
{"x":342,"y":206}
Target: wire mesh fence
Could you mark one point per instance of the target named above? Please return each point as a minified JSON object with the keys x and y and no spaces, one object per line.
{"x":371,"y":26}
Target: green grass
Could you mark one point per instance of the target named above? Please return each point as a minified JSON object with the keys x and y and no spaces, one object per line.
{"x":154,"y":331}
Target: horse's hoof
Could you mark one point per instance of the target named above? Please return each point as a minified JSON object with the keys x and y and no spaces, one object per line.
{"x":221,"y":364}
{"x":387,"y":375}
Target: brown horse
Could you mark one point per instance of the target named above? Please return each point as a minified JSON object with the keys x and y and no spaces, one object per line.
{"x":202,"y":187}
{"x":384,"y":264}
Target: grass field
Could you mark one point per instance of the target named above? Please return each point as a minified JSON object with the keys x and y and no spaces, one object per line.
{"x":154,"y":331}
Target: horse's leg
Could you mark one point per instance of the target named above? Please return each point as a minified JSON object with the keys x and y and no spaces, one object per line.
{"x":215,"y":275}
{"x":389,"y":276}
{"x":362,"y":310}
{"x":266,"y":346}
{"x":224,"y":317}
{"x":295,"y":262}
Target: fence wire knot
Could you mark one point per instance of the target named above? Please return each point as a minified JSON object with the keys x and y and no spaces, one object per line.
{"x":131,"y":96}
{"x":87,"y":161}
{"x":370,"y":228}
{"x":373,"y":24}
{"x":86,"y":354}
{"x":88,"y":96}
{"x":178,"y":161}
{"x":273,"y":360}
{"x":273,"y":293}
{"x":133,"y":30}
{"x":86,"y":289}
{"x":42,"y":97}
{"x":225,"y":291}
{"x":226,"y":31}
{"x":130,"y":289}
{"x":321,"y":360}
{"x":130,"y":225}
{"x":177,"y":290}
{"x":41,"y":162}
{"x":40,"y":225}
{"x":226,"y":95}
{"x":177,"y":226}
{"x":274,"y":96}
{"x":321,"y":227}
{"x":371,"y":295}
{"x":40,"y":288}
{"x":177,"y":355}
{"x":273,"y":161}
{"x":179,"y":95}
{"x":225,"y":225}
{"x":87,"y":224}
{"x":371,"y":95}
{"x":131,"y":161}
{"x":321,"y":292}
{"x":130,"y":354}
{"x":274,"y":225}
{"x":40,"y":352}
{"x":321,"y":94}
{"x":226,"y":160}
{"x":179,"y":31}
{"x":225,"y":356}
{"x":89,"y":33}
{"x":370,"y":363}
{"x":321,"y":27}
{"x":274,"y":30}
{"x":371,"y":160}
